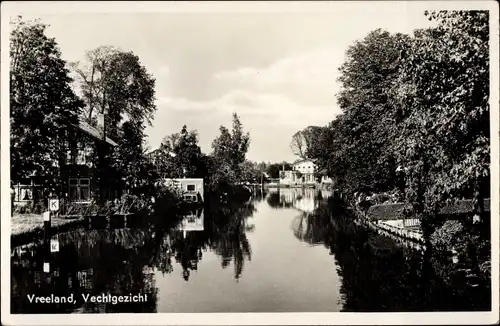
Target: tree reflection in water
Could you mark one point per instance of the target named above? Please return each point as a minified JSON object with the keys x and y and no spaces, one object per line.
{"x":378,"y":274}
{"x":92,"y":262}
{"x":122,"y":261}
{"x":224,"y":232}
{"x":381,"y":274}
{"x":273,"y":200}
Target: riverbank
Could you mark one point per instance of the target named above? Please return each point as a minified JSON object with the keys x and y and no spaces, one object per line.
{"x":29,"y":227}
{"x":30,"y":223}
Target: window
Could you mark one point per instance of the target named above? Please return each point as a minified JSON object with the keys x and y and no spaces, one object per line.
{"x":190,"y":198}
{"x":79,"y":189}
{"x":23,"y":193}
{"x":69,"y":156}
{"x":81,"y":157}
{"x":191,"y":188}
{"x":78,"y":154}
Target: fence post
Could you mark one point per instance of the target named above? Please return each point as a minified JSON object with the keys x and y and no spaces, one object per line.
{"x":46,"y":240}
{"x":53,"y":204}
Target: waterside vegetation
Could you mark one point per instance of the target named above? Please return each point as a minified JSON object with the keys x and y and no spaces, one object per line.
{"x":415,"y":127}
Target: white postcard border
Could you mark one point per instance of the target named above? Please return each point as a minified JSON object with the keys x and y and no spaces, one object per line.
{"x":60,"y":7}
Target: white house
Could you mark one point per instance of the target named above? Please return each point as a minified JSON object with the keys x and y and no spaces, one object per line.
{"x":302,"y":174}
{"x":306,"y":169}
{"x":192,"y":221}
{"x":190,"y":189}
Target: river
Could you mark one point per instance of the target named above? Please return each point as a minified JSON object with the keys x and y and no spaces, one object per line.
{"x":292,"y":250}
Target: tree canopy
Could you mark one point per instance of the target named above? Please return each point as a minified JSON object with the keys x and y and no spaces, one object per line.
{"x":415,"y":115}
{"x":42,"y":102}
{"x":229,"y":153}
{"x":119,"y":96}
{"x":114,"y":83}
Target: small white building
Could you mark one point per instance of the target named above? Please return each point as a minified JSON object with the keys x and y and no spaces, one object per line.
{"x":192,"y":221}
{"x":303,"y":173}
{"x":192,"y":190}
{"x":304,"y":166}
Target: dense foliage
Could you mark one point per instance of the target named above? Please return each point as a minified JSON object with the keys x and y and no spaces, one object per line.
{"x":119,"y":97}
{"x":42,"y":102}
{"x":415,"y":121}
{"x":180,"y":155}
{"x":112,"y":91}
{"x":302,"y":140}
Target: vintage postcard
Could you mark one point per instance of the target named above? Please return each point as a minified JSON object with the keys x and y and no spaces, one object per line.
{"x":250,"y":163}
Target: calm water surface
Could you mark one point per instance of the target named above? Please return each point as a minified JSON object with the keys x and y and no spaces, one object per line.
{"x":285,"y":251}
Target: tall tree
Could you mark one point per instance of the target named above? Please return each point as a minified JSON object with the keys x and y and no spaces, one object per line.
{"x":230,"y":148}
{"x":181,"y":156}
{"x":42,"y":102}
{"x":114,"y":85}
{"x":327,"y":146}
{"x":129,"y":159}
{"x":361,"y":155}
{"x":117,"y":88}
{"x":303,"y":139}
{"x":229,"y":152}
{"x":444,"y":88}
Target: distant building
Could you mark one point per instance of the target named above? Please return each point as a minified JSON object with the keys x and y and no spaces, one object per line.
{"x":193,"y":221}
{"x":192,"y":190}
{"x":303,"y":173}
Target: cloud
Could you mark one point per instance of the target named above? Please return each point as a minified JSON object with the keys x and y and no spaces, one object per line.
{"x":256,"y":107}
{"x":308,"y":77}
{"x":273,"y":102}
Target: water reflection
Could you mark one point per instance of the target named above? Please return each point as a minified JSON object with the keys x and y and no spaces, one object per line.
{"x":122,"y":261}
{"x":302,"y":199}
{"x":381,"y":274}
{"x":306,"y":254}
{"x":193,"y":221}
{"x":88,"y":263}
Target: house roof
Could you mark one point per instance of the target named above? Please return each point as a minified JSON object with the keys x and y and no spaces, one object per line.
{"x":87,"y":128}
{"x":395,"y":211}
{"x":156,"y":151}
{"x":300,"y":161}
{"x":463,"y":206}
{"x":386,"y":211}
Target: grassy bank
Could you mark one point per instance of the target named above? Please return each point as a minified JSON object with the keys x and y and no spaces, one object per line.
{"x":26,"y":228}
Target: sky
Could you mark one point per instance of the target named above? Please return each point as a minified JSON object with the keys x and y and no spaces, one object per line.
{"x":277,"y":71}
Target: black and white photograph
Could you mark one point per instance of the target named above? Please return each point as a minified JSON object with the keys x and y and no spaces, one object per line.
{"x":213,"y":163}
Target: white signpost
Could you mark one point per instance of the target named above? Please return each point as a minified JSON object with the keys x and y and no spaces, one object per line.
{"x":53,"y":205}
{"x":54,"y":245}
{"x":46,"y":216}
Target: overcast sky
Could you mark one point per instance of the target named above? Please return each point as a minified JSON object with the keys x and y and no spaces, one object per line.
{"x":277,"y":70}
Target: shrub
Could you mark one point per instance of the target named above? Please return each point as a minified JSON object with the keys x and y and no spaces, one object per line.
{"x":31,"y":207}
{"x":447,"y":236}
{"x":473,"y":253}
